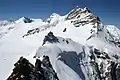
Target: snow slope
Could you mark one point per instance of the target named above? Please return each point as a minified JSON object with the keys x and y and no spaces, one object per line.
{"x":80,"y":33}
{"x":114,"y":31}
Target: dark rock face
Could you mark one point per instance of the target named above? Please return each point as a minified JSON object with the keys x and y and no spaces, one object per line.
{"x":80,"y":19}
{"x":42,"y":70}
{"x":50,"y":38}
{"x":32,"y":31}
{"x":27,"y":20}
{"x":22,"y":70}
{"x":105,"y":70}
{"x":65,"y":30}
{"x":113,"y":70}
{"x":49,"y":72}
{"x":118,"y":72}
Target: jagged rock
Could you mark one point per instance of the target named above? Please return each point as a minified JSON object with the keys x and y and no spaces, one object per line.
{"x":38,"y":71}
{"x":22,"y":70}
{"x":103,"y":67}
{"x":42,"y":70}
{"x":32,"y":31}
{"x":116,"y":56}
{"x":49,"y":72}
{"x":82,"y":17}
{"x":113,"y":70}
{"x":100,"y":54}
{"x":50,"y":38}
{"x":118,"y":72}
{"x":27,"y":20}
{"x":67,"y":41}
{"x":96,"y":51}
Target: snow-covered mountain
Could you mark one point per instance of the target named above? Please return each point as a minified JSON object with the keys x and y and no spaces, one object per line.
{"x":78,"y":45}
{"x":115,"y":32}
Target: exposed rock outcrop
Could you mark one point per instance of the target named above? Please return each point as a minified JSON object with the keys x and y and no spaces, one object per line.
{"x":82,"y":17}
{"x":50,"y":38}
{"x":27,"y":20}
{"x":42,"y":70}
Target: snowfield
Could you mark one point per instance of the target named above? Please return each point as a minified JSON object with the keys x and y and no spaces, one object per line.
{"x":85,"y":49}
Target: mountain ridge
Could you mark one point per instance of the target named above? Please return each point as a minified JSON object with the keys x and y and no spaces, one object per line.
{"x":79,"y":46}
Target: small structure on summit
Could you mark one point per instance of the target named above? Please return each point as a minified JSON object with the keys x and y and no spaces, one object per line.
{"x":50,"y":38}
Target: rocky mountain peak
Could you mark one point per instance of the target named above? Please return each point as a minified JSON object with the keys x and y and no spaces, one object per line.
{"x":50,"y":38}
{"x":42,"y":70}
{"x":82,"y":16}
{"x":24,"y":19}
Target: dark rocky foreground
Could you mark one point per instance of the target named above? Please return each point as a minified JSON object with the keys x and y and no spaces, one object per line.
{"x":42,"y":70}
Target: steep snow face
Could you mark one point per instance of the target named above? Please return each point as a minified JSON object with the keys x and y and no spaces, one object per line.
{"x":84,"y":44}
{"x":54,"y":17}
